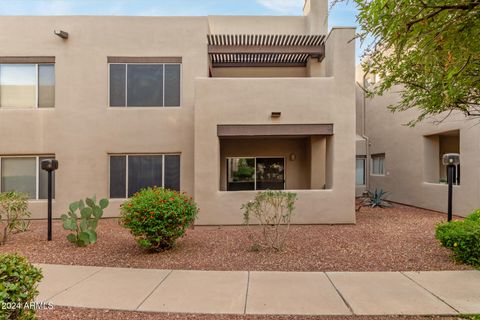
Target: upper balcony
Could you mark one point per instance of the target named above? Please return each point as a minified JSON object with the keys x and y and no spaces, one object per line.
{"x":256,"y":55}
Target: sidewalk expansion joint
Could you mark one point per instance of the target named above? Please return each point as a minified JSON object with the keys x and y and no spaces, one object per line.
{"x":73,"y":285}
{"x":340,"y":294}
{"x":433,"y":294}
{"x":153,"y":290}
{"x":246,"y":293}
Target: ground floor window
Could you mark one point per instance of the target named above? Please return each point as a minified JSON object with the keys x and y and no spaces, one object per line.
{"x":255,"y":173}
{"x":360,"y":171}
{"x":378,"y":164}
{"x":130,"y":173}
{"x":24,"y":174}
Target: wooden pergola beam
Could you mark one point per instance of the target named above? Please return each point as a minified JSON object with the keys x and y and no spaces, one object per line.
{"x":316,"y":51}
{"x":256,"y":64}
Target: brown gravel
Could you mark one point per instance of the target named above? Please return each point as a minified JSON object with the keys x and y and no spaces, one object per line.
{"x":63,"y":313}
{"x":398,"y":238}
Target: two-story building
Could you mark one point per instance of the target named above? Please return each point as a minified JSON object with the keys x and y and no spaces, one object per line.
{"x":219,"y":107}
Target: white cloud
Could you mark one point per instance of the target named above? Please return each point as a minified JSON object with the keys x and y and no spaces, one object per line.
{"x":283,"y":6}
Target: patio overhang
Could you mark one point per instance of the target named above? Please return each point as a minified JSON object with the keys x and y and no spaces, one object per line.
{"x":274,"y":130}
{"x":264,"y":50}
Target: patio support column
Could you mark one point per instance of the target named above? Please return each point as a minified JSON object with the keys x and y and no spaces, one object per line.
{"x":318,"y":148}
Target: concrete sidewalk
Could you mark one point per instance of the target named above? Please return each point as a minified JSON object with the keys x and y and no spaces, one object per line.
{"x":274,"y":293}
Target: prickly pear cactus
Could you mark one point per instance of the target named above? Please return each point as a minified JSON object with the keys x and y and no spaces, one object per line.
{"x":82,"y":218}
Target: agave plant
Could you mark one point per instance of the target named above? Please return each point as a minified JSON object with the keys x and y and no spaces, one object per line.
{"x":376,"y":199}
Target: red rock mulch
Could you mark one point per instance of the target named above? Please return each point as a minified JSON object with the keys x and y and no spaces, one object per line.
{"x":398,"y":238}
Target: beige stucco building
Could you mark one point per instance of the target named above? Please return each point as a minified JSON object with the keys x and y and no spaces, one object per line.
{"x":218,"y":107}
{"x":406,"y":161}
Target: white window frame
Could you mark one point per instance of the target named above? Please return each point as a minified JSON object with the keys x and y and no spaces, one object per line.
{"x":127,"y":155}
{"x":37,"y":167}
{"x":255,"y":167}
{"x":126,"y":84}
{"x":37,"y":85}
{"x":379,"y":155}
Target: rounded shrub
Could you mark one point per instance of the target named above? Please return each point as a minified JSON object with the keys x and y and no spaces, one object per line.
{"x":463,"y":238}
{"x":18,"y":287}
{"x":157,"y":217}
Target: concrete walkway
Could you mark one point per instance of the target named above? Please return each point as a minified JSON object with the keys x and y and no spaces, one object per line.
{"x":274,"y":293}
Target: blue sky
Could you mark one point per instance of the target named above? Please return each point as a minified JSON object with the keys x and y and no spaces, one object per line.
{"x":340,"y":15}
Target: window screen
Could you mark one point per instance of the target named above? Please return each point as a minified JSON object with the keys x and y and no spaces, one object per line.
{"x":117,"y":85}
{"x":145,"y":85}
{"x":143,"y":172}
{"x":172,"y":85}
{"x":118,"y":177}
{"x":172,"y":172}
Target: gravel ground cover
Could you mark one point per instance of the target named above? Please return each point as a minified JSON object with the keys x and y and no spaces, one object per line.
{"x":394,"y":239}
{"x":63,"y":313}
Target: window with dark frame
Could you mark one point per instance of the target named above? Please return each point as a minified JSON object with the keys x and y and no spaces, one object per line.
{"x":131,"y":173}
{"x":255,"y":173}
{"x":145,"y":84}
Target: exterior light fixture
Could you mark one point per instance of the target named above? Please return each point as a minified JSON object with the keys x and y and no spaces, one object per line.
{"x":276,"y":114}
{"x":60,"y":33}
{"x":49,"y":165}
{"x":451,"y":160}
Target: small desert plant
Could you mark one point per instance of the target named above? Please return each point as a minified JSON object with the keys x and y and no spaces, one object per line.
{"x":462,"y":237}
{"x":273,"y":211}
{"x":13,"y":213}
{"x":376,"y":199}
{"x":157,"y":217}
{"x":85,"y":223}
{"x":18,"y":287}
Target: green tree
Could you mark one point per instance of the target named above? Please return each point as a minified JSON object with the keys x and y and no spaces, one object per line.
{"x":429,"y":47}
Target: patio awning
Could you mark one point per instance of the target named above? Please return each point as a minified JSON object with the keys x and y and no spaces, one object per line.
{"x":265,"y":130}
{"x":228,"y":50}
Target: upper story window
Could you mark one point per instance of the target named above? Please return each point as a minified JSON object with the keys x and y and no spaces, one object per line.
{"x":27,"y":85}
{"x":145,"y":84}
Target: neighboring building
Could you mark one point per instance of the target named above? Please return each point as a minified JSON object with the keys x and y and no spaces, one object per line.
{"x":216,"y":106}
{"x":406,"y":161}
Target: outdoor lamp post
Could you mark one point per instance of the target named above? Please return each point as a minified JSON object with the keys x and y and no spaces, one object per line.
{"x":50,"y":165}
{"x":451,"y":160}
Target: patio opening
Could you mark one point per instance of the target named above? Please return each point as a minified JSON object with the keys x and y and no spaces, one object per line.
{"x":435,"y":147}
{"x":274,"y":163}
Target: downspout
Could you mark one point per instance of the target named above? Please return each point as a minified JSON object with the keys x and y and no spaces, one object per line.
{"x":363,"y":134}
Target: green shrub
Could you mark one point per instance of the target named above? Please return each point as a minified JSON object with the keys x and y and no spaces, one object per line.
{"x":157,"y":217}
{"x":463,"y":238}
{"x":18,"y":287}
{"x":273,"y":211}
{"x":85,"y":225}
{"x":13,"y":213}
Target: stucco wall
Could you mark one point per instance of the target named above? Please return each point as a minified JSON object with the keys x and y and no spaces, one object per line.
{"x":300,"y":100}
{"x":82,"y":130}
{"x":410,"y":160}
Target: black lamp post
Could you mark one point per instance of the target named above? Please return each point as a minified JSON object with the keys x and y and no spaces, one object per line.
{"x":451,"y":160}
{"x":50,"y":165}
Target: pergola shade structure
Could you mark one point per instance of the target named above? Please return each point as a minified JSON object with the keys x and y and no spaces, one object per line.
{"x":227,"y":50}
